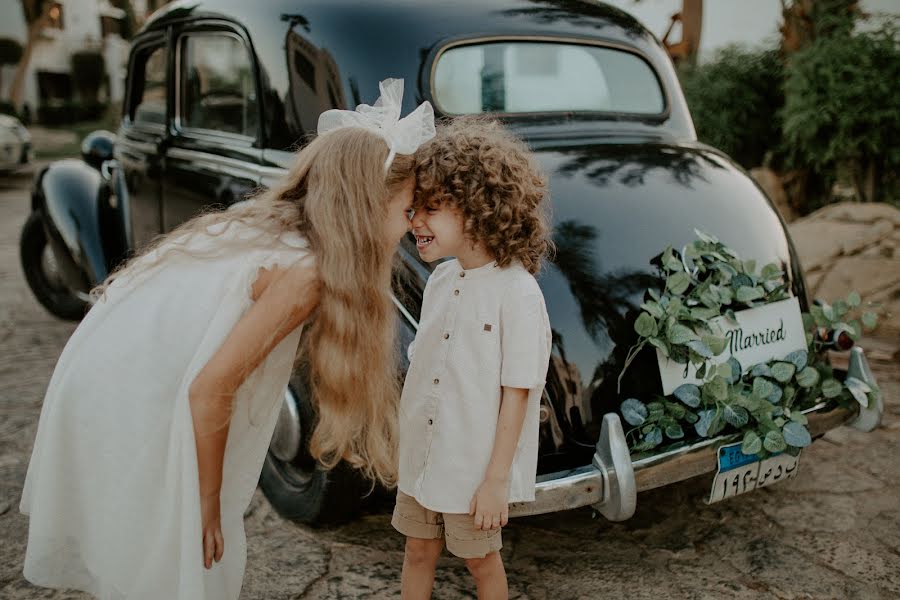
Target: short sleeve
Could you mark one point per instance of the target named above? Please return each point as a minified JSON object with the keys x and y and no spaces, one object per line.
{"x":525,"y":338}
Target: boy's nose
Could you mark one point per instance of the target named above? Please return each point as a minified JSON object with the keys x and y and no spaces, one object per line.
{"x":417,"y":220}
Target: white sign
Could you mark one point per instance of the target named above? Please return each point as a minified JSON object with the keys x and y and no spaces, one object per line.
{"x":760,"y":334}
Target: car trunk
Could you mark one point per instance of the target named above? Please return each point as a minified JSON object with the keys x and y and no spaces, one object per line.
{"x":614,"y":208}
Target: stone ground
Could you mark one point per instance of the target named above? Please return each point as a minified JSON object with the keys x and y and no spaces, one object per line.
{"x":833,"y":532}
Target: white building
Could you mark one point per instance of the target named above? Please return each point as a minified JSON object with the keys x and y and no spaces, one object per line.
{"x":76,"y":26}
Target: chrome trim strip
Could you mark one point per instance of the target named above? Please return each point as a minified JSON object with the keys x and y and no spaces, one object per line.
{"x":405,"y":312}
{"x":224,"y":163}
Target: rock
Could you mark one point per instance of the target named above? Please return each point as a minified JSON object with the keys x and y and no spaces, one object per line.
{"x":864,"y":275}
{"x":819,"y":241}
{"x":858,"y":212}
{"x":874,"y":233}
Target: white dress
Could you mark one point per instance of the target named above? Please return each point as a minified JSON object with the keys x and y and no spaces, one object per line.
{"x":112,"y":487}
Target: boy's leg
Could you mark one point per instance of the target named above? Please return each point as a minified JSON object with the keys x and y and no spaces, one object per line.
{"x":424,"y":533}
{"x":419,"y":562}
{"x":481,"y":551}
{"x":490,"y":577}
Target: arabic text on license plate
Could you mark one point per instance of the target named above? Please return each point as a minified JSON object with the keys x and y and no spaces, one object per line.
{"x":739,"y":473}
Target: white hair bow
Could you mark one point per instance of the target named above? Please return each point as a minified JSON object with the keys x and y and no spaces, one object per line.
{"x":403,"y":136}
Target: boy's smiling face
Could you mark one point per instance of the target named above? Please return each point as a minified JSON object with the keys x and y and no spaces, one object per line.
{"x":439,"y":232}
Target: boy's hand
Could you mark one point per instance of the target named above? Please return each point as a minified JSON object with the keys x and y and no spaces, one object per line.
{"x":213,"y":543}
{"x":489,"y":505}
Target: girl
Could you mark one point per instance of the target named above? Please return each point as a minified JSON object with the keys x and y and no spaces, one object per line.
{"x":159,"y":413}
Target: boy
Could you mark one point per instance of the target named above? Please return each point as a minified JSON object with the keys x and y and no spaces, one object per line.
{"x":469,"y":410}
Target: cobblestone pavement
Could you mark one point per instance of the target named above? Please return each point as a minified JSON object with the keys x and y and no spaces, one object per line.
{"x":833,"y":532}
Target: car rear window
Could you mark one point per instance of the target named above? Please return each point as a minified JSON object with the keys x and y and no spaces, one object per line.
{"x":539,"y":77}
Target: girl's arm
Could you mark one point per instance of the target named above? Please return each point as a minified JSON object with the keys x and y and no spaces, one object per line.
{"x":490,"y":505}
{"x":290,"y":295}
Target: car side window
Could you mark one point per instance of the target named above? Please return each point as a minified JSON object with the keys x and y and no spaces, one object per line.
{"x":148,"y":97}
{"x":217,"y":90}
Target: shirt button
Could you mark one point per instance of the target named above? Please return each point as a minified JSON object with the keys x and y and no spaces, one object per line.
{"x":456,"y":292}
{"x":430,"y":422}
{"x":446,"y":336}
{"x":437,"y":381}
{"x":462,"y":274}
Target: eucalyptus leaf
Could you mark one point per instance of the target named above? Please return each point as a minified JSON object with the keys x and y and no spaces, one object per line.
{"x":831,"y":388}
{"x":654,"y":309}
{"x":678,"y":282}
{"x":680,"y":334}
{"x":774,"y":442}
{"x":654,"y":437}
{"x":770,"y":271}
{"x":762,"y":388}
{"x":634,"y":411}
{"x":700,"y":348}
{"x":645,"y":325}
{"x":799,"y":417}
{"x":705,"y":314}
{"x":762,"y":370}
{"x":736,"y":370}
{"x":703,"y":425}
{"x":689,"y":394}
{"x":853,"y":299}
{"x":869,"y":320}
{"x":747,"y":294}
{"x":674,"y":432}
{"x":808,"y":377}
{"x":799,"y":358}
{"x":751,"y":443}
{"x":775,"y":396}
{"x":735,"y":416}
{"x":742,"y":280}
{"x":828,"y":312}
{"x":749,"y":265}
{"x":658,"y":343}
{"x":717,"y":388}
{"x":715,"y":343}
{"x":796,"y":434}
{"x":783,"y":371}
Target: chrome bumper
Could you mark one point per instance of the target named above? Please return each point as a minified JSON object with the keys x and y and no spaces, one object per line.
{"x":611,"y":483}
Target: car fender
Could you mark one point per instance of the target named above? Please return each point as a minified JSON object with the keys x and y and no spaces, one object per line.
{"x":67,"y":193}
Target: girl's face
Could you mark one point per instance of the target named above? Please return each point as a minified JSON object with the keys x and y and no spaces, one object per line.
{"x":399,"y":208}
{"x":440,"y":232}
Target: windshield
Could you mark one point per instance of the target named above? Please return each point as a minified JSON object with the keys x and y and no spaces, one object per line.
{"x":529,"y":77}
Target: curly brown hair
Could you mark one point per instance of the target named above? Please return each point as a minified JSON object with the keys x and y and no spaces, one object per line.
{"x":489,"y":175}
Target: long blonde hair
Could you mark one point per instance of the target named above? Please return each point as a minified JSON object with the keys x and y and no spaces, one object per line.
{"x":335,"y":195}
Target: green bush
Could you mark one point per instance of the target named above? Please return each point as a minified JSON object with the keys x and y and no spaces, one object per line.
{"x":735,"y":100}
{"x":88,"y":73}
{"x":841,"y":109}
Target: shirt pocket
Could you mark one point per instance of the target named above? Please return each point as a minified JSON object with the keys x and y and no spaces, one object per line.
{"x":486,"y":330}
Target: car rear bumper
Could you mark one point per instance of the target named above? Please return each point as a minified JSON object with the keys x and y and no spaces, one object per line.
{"x":611,"y":486}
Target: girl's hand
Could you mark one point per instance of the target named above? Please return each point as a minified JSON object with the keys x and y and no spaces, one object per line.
{"x":489,"y":505}
{"x":213,"y":543}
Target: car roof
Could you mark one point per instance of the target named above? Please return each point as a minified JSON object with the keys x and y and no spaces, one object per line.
{"x":369,"y":41}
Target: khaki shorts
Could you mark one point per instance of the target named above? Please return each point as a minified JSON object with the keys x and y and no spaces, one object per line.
{"x":462,"y":539}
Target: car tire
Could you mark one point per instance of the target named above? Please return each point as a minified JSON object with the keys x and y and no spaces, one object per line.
{"x":302,"y":490}
{"x":51,"y":292}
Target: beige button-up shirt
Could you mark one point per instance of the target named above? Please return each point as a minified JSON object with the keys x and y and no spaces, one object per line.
{"x":480,"y":329}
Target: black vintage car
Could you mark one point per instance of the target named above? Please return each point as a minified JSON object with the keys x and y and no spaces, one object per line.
{"x":220,"y":92}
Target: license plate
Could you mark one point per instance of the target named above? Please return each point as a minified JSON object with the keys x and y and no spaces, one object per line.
{"x":738,"y":473}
